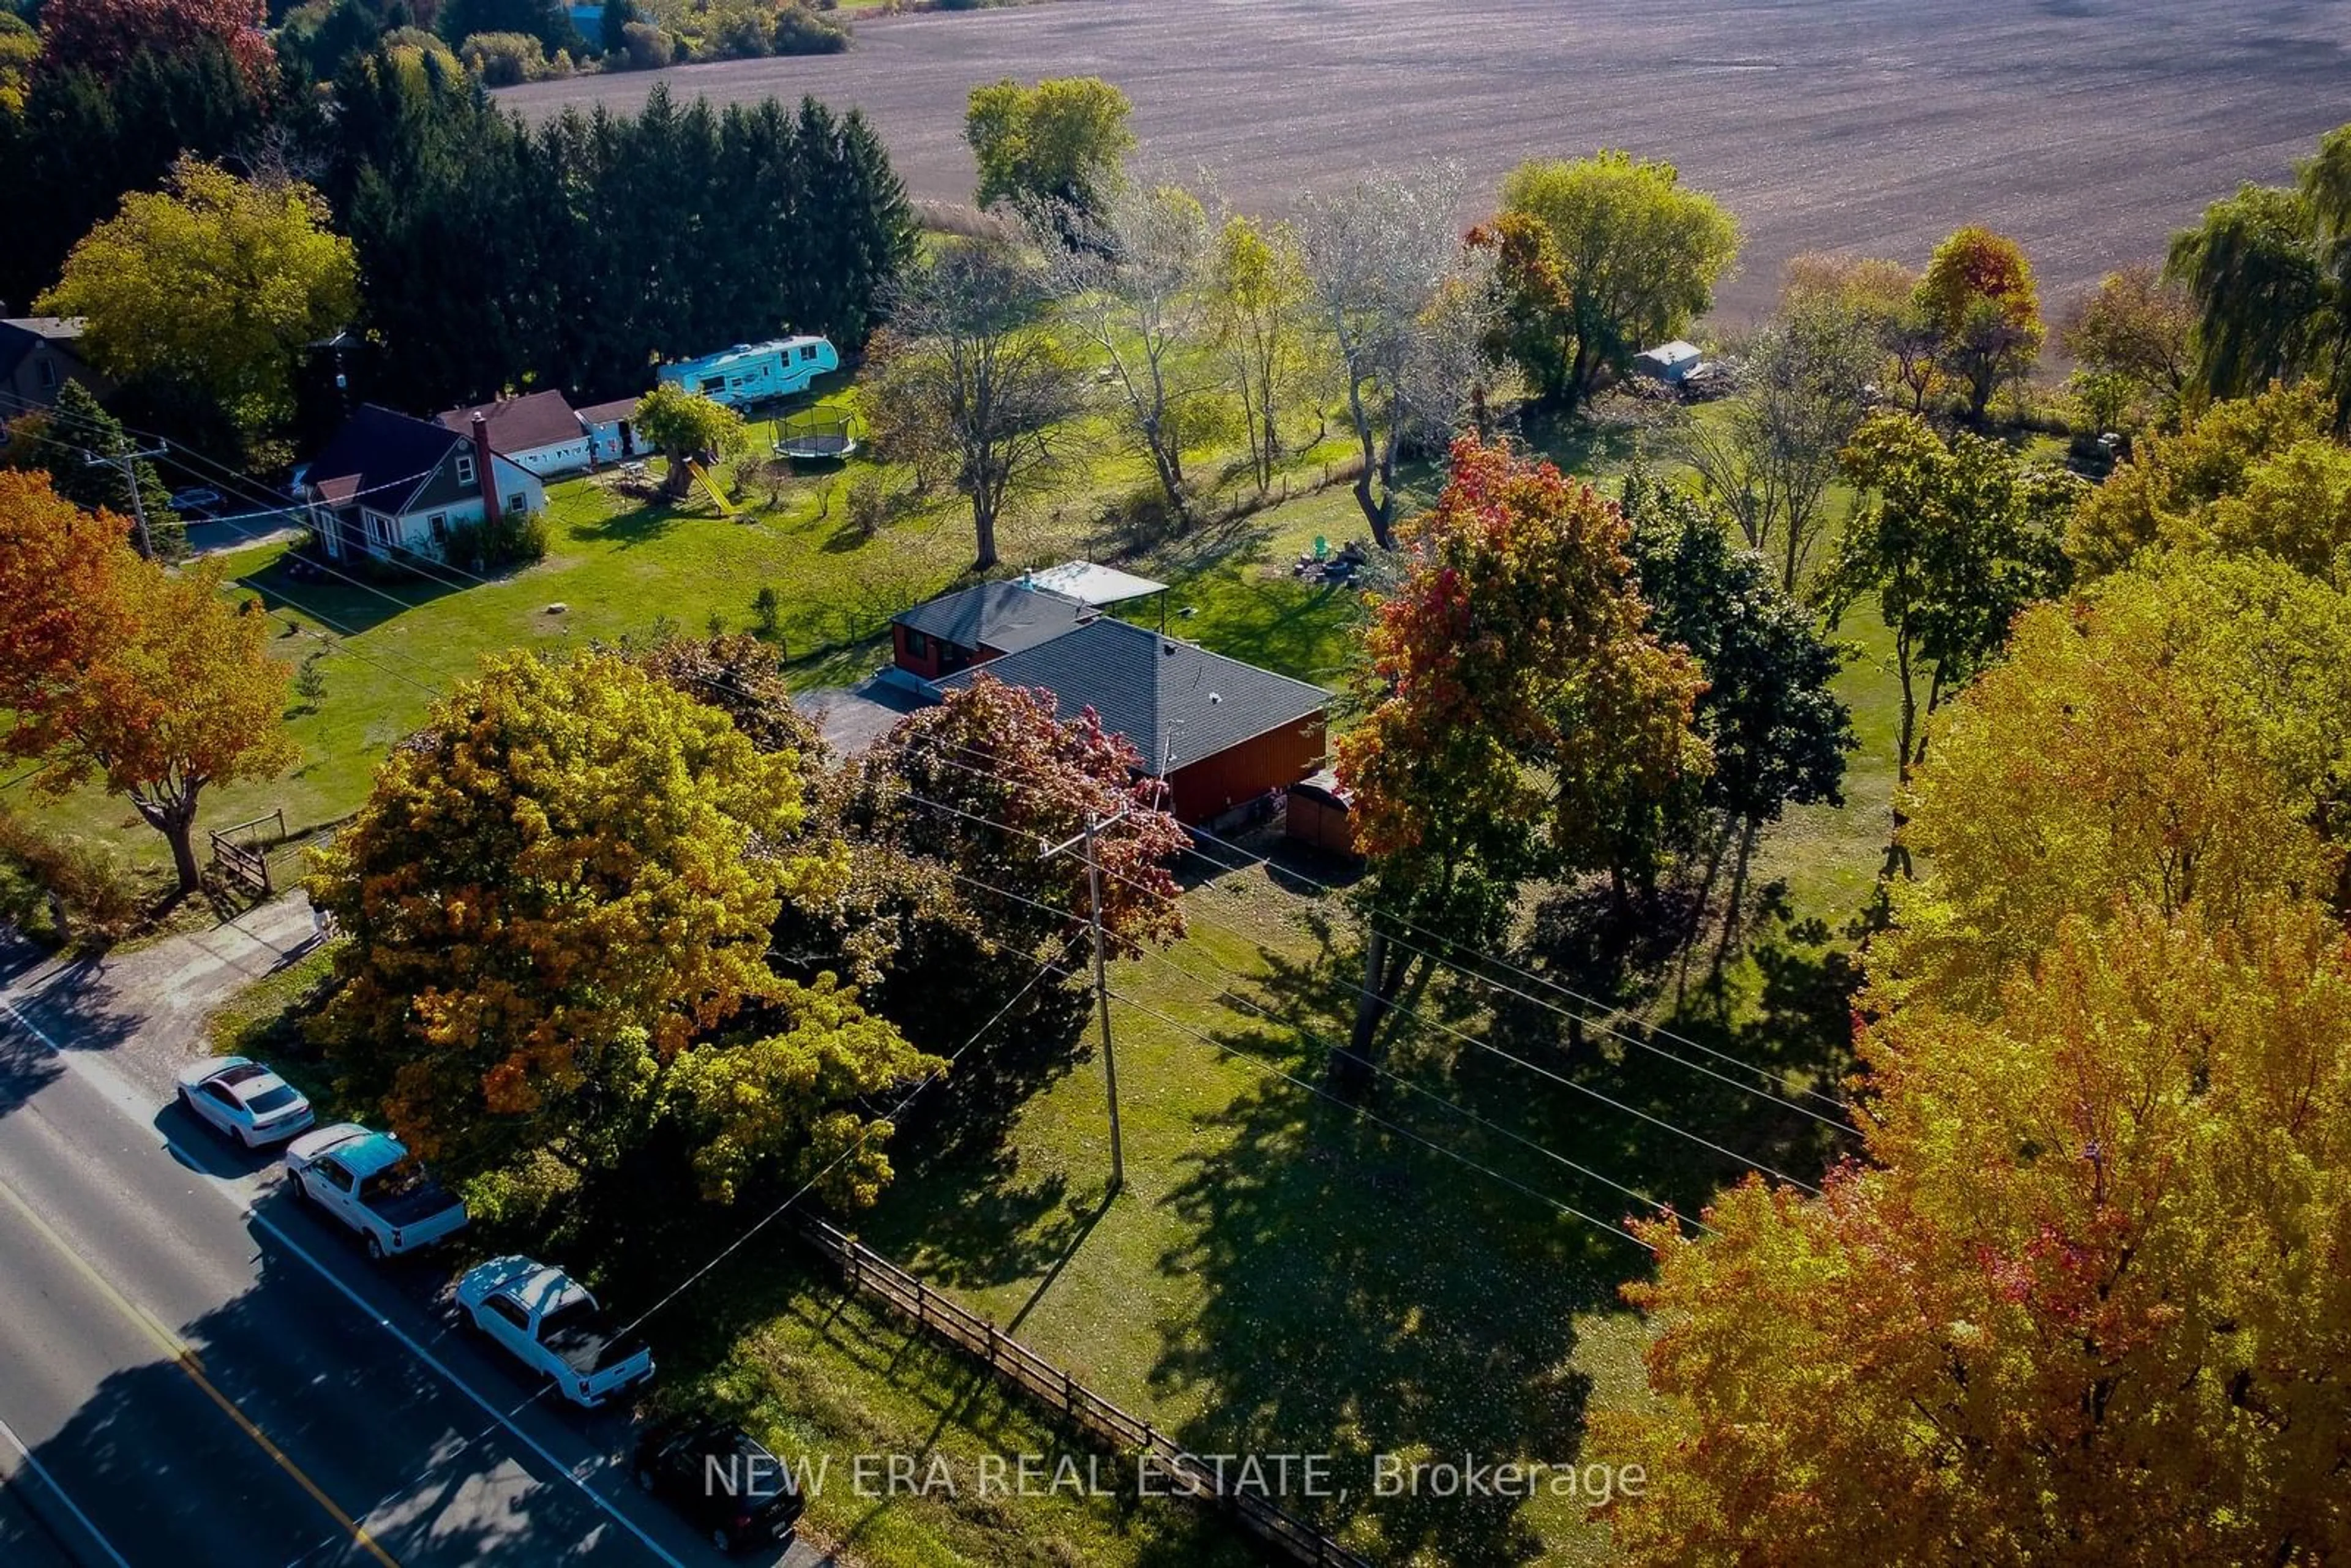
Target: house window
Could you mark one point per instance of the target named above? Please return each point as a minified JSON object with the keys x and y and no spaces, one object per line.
{"x":917,"y":646}
{"x":48,"y":372}
{"x":465,"y":469}
{"x":383,"y":531}
{"x":439,"y":523}
{"x":517,"y":503}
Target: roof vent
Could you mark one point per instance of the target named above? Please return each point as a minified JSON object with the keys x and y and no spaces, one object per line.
{"x":1215,"y":697}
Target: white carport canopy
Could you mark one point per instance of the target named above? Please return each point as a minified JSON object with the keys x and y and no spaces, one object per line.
{"x":1087,"y":583}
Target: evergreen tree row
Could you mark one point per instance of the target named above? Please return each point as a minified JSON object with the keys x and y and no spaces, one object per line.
{"x":573,"y":255}
{"x":82,"y":141}
{"x":494,"y":255}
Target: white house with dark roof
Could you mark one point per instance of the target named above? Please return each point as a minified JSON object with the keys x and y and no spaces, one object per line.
{"x":389,"y":483}
{"x":539,"y":431}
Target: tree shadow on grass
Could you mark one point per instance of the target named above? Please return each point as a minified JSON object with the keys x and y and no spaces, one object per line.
{"x":647,"y":522}
{"x":1366,"y":1295}
{"x":345,"y":601}
{"x":1370,"y":1294}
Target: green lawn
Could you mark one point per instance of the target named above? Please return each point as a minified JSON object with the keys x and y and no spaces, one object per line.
{"x":1279,"y":1275}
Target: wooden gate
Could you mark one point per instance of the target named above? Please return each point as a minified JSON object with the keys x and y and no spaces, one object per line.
{"x":243,"y":859}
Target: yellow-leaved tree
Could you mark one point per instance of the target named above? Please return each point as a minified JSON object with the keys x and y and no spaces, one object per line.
{"x":2180,"y":735}
{"x":213,"y":283}
{"x":114,"y":668}
{"x":2088,"y":1308}
{"x":559,"y":899}
{"x":2262,"y":472}
{"x":2085,"y":1301}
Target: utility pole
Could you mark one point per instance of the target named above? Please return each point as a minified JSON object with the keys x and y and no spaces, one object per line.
{"x":1102,"y":983}
{"x":127,"y":461}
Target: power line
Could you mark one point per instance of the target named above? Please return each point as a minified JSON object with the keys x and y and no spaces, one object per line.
{"x":1316,"y":1090}
{"x":1568,"y":1082}
{"x":1325,"y":888}
{"x":1225,"y":993}
{"x":864,"y":1132}
{"x":1776,"y":1100}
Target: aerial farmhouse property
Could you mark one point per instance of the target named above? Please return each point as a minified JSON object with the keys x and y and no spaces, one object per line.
{"x":390,"y":484}
{"x":1221,"y":733}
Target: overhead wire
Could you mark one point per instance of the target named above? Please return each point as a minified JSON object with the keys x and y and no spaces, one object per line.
{"x":1772,"y":1097}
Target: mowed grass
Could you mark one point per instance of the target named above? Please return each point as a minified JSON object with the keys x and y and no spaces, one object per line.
{"x":621,"y":566}
{"x":1281,"y":1275}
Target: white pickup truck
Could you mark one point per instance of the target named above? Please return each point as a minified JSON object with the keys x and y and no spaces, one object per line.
{"x":366,"y":1180}
{"x":550,"y":1323}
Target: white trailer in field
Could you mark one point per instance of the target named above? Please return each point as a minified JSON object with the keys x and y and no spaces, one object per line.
{"x":751,"y":373}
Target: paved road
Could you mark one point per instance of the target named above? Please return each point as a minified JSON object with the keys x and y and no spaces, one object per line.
{"x":193,"y":1371}
{"x":2091,"y":128}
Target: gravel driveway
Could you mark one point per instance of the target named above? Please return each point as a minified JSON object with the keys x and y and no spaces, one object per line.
{"x":853,"y":717}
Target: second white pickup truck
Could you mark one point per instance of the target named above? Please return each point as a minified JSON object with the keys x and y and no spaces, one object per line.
{"x":366,"y":1180}
{"x":550,"y":1323}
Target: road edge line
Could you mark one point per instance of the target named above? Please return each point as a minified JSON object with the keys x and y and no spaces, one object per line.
{"x":41,"y":1472}
{"x":604,"y":1506}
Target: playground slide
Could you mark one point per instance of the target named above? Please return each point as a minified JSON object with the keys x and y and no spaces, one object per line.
{"x":710,"y":486}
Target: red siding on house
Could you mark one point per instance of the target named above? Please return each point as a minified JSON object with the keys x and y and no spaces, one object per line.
{"x":925,"y":664}
{"x":1233,"y":777}
{"x":937,"y":658}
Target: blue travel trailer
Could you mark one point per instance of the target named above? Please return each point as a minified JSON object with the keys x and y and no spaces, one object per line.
{"x":750,"y":374}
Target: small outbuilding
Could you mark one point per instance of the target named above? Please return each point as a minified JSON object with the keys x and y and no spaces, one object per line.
{"x":611,"y":432}
{"x":1317,"y":813}
{"x":1671,"y":363}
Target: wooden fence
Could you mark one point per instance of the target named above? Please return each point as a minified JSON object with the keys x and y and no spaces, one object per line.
{"x":1174,"y":1469}
{"x":246,"y":859}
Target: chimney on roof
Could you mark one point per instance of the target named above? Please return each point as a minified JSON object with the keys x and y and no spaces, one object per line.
{"x":486,"y":471}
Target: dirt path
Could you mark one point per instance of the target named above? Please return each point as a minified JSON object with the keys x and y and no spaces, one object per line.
{"x":148,"y":1005}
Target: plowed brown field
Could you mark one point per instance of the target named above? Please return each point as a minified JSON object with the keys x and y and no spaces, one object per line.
{"x":2091,"y":128}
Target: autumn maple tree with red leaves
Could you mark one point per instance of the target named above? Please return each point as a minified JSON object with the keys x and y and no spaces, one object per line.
{"x":1521,"y":718}
{"x":988,"y":779}
{"x":104,"y":35}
